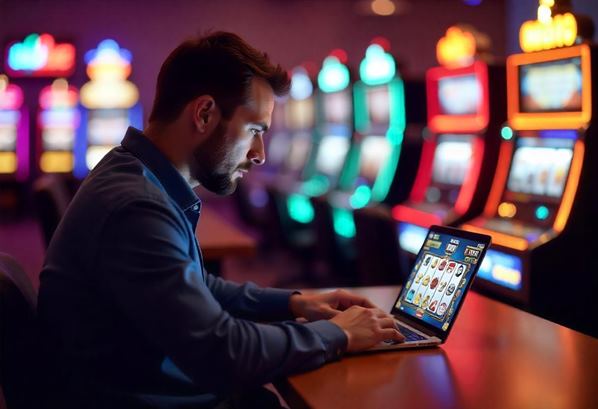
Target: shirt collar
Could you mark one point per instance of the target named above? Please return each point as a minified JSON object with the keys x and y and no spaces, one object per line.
{"x":170,"y":178}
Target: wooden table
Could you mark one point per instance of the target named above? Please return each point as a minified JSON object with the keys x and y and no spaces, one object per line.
{"x":496,"y":357}
{"x":218,"y":238}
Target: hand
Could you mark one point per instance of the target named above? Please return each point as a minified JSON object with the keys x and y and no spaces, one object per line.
{"x":366,"y":327}
{"x":315,"y":307}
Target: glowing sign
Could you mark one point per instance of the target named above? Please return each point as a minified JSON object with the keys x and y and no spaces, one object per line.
{"x":40,"y":56}
{"x":457,"y":48}
{"x":378,"y":66}
{"x":108,"y":67}
{"x":11,"y":96}
{"x":334,"y":75}
{"x":301,"y":85}
{"x":58,"y":95}
{"x":502,"y":269}
{"x":548,"y":31}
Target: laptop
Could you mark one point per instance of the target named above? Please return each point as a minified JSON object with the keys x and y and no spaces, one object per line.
{"x":430,"y":300}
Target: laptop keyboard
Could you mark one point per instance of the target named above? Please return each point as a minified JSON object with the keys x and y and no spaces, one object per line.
{"x":409,"y":335}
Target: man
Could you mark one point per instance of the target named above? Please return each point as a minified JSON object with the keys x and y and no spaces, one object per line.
{"x":132,"y":318}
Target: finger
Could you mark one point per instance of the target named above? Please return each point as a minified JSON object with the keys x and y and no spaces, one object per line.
{"x":387,"y":323}
{"x":393,"y":334}
{"x":328,"y":312}
{"x":381,"y":314}
{"x":347,"y":299}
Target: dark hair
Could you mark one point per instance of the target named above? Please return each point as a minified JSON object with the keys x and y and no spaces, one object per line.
{"x":220,"y":64}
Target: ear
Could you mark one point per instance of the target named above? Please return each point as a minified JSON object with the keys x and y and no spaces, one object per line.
{"x":206,"y":114}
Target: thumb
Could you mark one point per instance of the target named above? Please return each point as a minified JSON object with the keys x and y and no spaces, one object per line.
{"x":328,"y":312}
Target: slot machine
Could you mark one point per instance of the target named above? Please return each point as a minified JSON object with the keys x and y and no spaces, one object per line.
{"x":542,"y":200}
{"x":465,"y":99}
{"x":110,"y":104}
{"x":14,"y":143}
{"x":333,"y":133}
{"x":57,"y":123}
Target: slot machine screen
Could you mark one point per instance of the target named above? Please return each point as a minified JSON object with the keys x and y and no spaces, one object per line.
{"x":452,"y":159}
{"x":554,"y":86}
{"x":375,"y":151}
{"x":300,"y":114}
{"x":58,"y":129}
{"x":105,"y":129}
{"x":8,"y":130}
{"x":459,"y":95}
{"x":300,"y":147}
{"x":378,"y":100}
{"x":331,"y":154}
{"x":337,"y":107}
{"x":540,"y":167}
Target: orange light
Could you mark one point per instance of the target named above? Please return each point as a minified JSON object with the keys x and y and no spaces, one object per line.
{"x":571,"y":189}
{"x":56,"y":162}
{"x":58,"y":95}
{"x":549,"y":120}
{"x":471,"y":180}
{"x":549,"y":32}
{"x":8,"y":162}
{"x":457,"y":48}
{"x":500,"y":178}
{"x":500,"y":239}
{"x":507,"y":210}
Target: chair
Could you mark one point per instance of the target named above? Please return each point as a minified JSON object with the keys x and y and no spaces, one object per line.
{"x":20,"y":363}
{"x":51,"y":198}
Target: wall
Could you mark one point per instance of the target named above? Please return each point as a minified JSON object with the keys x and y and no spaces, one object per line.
{"x":290,"y":30}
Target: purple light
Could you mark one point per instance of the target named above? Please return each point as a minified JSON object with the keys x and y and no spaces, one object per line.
{"x":472,"y":2}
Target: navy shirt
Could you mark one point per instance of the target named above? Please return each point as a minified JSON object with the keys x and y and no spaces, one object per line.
{"x":132,"y":317}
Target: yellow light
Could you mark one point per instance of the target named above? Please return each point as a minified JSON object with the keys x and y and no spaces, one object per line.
{"x":548,"y":31}
{"x":383,"y":7}
{"x":507,"y":210}
{"x":109,"y":94}
{"x":457,"y":48}
{"x":3,"y":82}
{"x":56,"y":162}
{"x":506,"y":274}
{"x":8,"y":162}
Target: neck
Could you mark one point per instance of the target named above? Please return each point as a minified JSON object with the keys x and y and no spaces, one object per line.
{"x":163,"y":136}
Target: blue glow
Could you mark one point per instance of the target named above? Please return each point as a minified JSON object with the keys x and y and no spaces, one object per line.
{"x":9,"y":116}
{"x":560,"y":134}
{"x":412,"y":237}
{"x":301,"y":85}
{"x":472,"y":2}
{"x":29,"y":55}
{"x":258,"y":197}
{"x":502,"y":269}
{"x":108,"y":48}
{"x":542,"y":212}
{"x":506,"y":133}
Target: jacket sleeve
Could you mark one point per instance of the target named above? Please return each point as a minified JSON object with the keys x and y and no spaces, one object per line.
{"x":146,"y":270}
{"x":250,"y":301}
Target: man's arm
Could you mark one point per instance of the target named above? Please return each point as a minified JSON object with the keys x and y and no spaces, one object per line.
{"x":251,"y":302}
{"x":146,"y":270}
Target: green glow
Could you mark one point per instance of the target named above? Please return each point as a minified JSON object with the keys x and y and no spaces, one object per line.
{"x":506,"y":133}
{"x":378,"y":67}
{"x":542,"y":212}
{"x":300,"y":208}
{"x":334,"y":75}
{"x":361,"y":197}
{"x":316,"y":186}
{"x":343,"y":223}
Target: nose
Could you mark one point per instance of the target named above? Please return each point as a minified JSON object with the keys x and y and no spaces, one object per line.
{"x":257,"y":152}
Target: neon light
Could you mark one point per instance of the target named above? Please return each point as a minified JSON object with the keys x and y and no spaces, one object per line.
{"x":108,"y":67}
{"x":500,"y":178}
{"x":502,"y":269}
{"x":383,"y":7}
{"x":424,"y":172}
{"x":542,"y":212}
{"x":56,"y":162}
{"x":548,"y":31}
{"x":500,"y":239}
{"x":519,"y":120}
{"x":11,"y":96}
{"x":361,"y":197}
{"x":412,"y":237}
{"x":571,"y":188}
{"x":507,"y":210}
{"x":343,"y":222}
{"x":300,"y":208}
{"x":457,"y":48}
{"x":506,"y":133}
{"x":316,"y":186}
{"x":301,"y":85}
{"x":58,"y":95}
{"x":40,"y":56}
{"x":439,"y":121}
{"x":378,"y":67}
{"x":403,"y":213}
{"x":334,"y":75}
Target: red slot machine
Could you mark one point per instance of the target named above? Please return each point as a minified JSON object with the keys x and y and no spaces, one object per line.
{"x":465,"y":98}
{"x":543,"y":199}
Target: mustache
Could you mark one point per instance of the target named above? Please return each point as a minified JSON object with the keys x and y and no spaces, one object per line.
{"x":246,"y":167}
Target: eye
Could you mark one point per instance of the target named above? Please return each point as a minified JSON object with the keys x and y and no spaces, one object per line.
{"x":255,"y":131}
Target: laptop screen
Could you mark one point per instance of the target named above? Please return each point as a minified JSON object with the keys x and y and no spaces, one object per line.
{"x":443,"y":270}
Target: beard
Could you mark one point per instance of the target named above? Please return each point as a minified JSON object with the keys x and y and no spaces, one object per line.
{"x":212,"y":166}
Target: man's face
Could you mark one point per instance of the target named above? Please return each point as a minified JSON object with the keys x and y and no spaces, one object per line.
{"x":236,"y":144}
